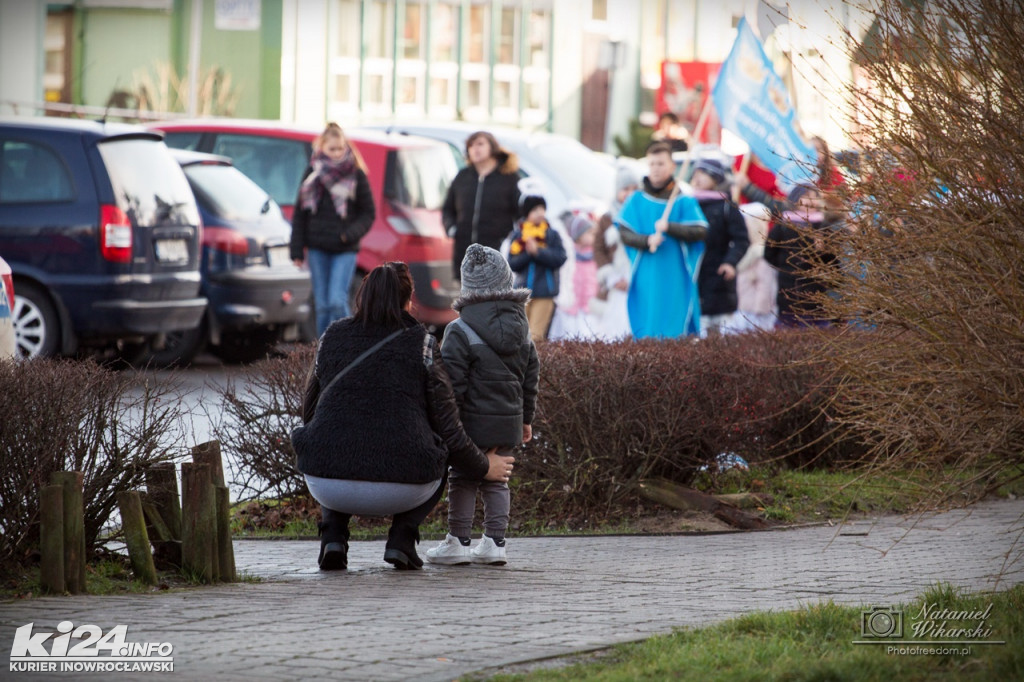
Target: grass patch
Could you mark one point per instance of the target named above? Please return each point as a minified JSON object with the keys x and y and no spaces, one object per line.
{"x":814,"y":643}
{"x":110,"y":575}
{"x":797,"y":496}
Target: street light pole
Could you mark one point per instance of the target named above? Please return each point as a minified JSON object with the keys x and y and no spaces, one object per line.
{"x":195,"y":38}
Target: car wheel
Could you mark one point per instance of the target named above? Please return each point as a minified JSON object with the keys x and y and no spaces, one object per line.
{"x":180,"y":348}
{"x":249,"y":345}
{"x":36,"y":326}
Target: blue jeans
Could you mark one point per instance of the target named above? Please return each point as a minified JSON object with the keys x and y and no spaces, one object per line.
{"x":331,"y":274}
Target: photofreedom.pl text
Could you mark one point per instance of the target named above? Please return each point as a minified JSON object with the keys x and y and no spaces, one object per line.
{"x":91,"y":651}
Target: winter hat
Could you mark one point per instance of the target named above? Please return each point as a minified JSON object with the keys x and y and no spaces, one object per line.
{"x":798,"y":192}
{"x":484,"y":270}
{"x":528,"y":202}
{"x":713,"y":167}
{"x":626,"y":176}
{"x":578,"y":225}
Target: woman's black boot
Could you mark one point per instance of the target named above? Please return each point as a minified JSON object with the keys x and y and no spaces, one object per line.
{"x":333,"y":540}
{"x":400,"y":549}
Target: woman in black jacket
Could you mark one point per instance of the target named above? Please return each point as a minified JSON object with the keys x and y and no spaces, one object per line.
{"x":333,"y":212}
{"x":482,"y":204}
{"x":378,"y":441}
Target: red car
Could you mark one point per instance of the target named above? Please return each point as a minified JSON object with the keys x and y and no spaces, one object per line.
{"x":408,"y":175}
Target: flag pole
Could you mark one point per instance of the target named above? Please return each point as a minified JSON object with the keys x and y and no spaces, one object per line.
{"x":744,"y":167}
{"x":702,"y":120}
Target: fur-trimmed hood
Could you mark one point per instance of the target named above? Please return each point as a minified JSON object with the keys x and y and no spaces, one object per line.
{"x":515,"y":295}
{"x":508,"y":162}
{"x":498,"y":318}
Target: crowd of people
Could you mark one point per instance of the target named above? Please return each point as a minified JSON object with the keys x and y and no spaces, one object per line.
{"x":668,"y":259}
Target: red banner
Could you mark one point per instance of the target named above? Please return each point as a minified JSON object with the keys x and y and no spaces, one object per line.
{"x":685,"y":87}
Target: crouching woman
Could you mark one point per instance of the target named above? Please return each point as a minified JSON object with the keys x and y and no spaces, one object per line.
{"x":380,"y":423}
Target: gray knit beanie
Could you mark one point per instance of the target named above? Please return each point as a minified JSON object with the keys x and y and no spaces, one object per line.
{"x":485,"y":270}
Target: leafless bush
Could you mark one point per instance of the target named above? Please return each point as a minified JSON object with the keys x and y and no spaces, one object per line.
{"x":77,"y":416}
{"x":256,"y":430}
{"x":612,"y":414}
{"x":934,"y":258}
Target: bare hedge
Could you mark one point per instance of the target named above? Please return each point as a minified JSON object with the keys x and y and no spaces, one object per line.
{"x":77,"y":416}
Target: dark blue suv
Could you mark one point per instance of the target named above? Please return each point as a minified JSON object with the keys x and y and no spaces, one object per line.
{"x":102,"y":231}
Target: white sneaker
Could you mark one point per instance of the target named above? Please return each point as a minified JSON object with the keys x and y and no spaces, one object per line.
{"x":486,"y":552}
{"x":450,"y":552}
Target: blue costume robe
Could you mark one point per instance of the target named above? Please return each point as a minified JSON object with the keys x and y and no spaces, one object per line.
{"x":663,"y":299}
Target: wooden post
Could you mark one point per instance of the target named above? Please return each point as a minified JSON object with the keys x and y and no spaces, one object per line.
{"x":135,"y":536}
{"x":162,"y":486}
{"x":51,"y":538}
{"x":166,"y":549}
{"x":225,"y":550}
{"x":209,"y":453}
{"x":74,"y":529}
{"x":198,"y":522}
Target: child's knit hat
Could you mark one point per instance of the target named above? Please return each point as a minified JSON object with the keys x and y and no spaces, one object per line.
{"x":485,"y":271}
{"x":528,"y":202}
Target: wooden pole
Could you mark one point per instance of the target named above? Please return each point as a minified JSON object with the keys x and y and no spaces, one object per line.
{"x":702,"y":120}
{"x":162,"y":486}
{"x":225,"y":550}
{"x":51,"y":538}
{"x":135,"y":536}
{"x":166,"y":549}
{"x":74,"y":528}
{"x":198,"y":522}
{"x":744,"y":167}
{"x":209,"y":453}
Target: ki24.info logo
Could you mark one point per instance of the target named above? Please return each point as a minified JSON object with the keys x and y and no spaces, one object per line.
{"x":93,"y":651}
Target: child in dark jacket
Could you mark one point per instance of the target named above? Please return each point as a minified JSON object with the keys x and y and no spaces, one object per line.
{"x":494,"y":370}
{"x":535,"y":255}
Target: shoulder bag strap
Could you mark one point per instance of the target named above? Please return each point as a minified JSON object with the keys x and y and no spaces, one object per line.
{"x":376,"y":347}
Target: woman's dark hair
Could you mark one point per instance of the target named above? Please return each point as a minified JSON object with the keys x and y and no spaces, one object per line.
{"x":383,"y":295}
{"x":491,"y":140}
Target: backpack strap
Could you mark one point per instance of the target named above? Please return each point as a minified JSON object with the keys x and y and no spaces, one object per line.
{"x":474,"y":338}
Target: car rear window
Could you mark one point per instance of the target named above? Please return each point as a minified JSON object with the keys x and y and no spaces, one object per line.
{"x":228,"y":193}
{"x":419,"y":178}
{"x":148,"y":182}
{"x":32,"y":172}
{"x":276,"y":165}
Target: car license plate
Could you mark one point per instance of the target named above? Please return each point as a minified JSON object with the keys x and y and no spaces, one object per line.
{"x":172,"y":250}
{"x":278,"y":256}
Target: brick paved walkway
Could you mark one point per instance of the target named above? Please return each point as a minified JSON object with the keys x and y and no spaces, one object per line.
{"x":557,"y":596}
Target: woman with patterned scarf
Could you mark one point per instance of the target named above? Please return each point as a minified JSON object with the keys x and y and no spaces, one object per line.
{"x":333,"y":212}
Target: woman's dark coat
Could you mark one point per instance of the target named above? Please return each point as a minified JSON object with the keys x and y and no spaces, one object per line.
{"x":392,"y":418}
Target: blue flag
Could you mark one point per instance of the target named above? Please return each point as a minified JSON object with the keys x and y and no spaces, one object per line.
{"x":753,"y":103}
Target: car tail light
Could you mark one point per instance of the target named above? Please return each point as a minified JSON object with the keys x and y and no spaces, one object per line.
{"x":226,"y":240}
{"x":9,"y":288}
{"x":115,"y":234}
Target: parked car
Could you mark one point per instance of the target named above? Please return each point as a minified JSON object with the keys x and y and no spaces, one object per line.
{"x":256,"y":295}
{"x":8,"y":345}
{"x":408,"y":175}
{"x":101,"y":230}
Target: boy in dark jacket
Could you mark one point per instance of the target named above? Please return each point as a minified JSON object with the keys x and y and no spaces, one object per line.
{"x":494,"y":371}
{"x":535,"y":255}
